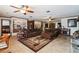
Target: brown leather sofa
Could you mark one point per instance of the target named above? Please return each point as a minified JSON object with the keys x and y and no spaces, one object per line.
{"x":26,"y":33}
{"x":33,"y":33}
{"x":50,"y":33}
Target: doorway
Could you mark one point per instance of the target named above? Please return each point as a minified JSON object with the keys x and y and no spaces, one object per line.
{"x":5,"y":26}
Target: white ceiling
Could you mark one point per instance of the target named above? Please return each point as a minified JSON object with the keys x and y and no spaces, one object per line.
{"x":40,"y":11}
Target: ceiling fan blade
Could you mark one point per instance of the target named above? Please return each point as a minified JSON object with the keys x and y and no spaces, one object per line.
{"x":15,"y":7}
{"x":30,"y":11}
{"x":16,"y":11}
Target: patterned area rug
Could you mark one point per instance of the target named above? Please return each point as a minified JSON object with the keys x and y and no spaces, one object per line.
{"x":35,"y":43}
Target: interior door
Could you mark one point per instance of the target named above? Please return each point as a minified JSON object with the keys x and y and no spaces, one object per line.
{"x":30,"y":24}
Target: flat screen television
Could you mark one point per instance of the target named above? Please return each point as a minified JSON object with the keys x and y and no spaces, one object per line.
{"x":72,"y":22}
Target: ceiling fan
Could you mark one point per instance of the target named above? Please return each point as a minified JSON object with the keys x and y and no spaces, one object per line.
{"x":23,"y":9}
{"x":50,"y":18}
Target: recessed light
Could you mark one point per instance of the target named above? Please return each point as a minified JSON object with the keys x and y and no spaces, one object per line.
{"x":30,"y":16}
{"x":48,"y":11}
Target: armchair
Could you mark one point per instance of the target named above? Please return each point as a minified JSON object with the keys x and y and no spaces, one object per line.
{"x":4,"y":41}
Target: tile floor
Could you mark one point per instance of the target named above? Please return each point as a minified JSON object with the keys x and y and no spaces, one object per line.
{"x":61,"y":44}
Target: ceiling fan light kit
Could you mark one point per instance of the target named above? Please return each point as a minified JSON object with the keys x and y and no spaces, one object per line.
{"x":49,"y":19}
{"x":22,"y":11}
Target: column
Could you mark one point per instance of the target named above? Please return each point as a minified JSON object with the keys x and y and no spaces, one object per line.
{"x":11,"y":27}
{"x":43,"y":26}
{"x":0,"y":27}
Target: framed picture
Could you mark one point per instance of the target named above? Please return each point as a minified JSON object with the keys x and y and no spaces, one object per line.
{"x":72,"y":22}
